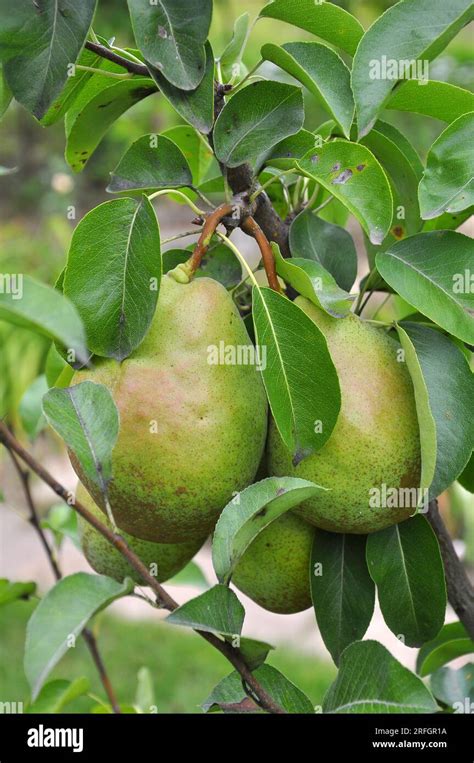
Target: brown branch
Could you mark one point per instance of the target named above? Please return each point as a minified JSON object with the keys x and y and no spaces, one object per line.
{"x":252,"y":228}
{"x":459,"y":587}
{"x":241,"y":180}
{"x":110,"y":55}
{"x":233,"y":655}
{"x":89,"y":637}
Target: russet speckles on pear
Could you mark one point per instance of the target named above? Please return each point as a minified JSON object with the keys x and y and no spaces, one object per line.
{"x":376,"y":439}
{"x":172,"y":479}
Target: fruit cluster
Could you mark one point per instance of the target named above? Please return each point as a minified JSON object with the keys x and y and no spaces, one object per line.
{"x":193,"y":434}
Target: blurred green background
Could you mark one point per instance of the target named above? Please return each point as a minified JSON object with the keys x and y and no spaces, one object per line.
{"x":35,"y":231}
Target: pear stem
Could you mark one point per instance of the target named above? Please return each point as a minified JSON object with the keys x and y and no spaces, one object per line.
{"x":212,"y":221}
{"x":230,"y":244}
{"x":252,"y":228}
{"x":180,"y":195}
{"x":233,"y":654}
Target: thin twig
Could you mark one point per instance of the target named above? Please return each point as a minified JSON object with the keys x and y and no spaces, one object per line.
{"x":130,"y":66}
{"x":233,"y":655}
{"x":89,"y":637}
{"x":459,"y":587}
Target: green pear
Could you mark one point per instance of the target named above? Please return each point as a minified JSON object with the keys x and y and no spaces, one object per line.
{"x":193,"y":419}
{"x":274,"y":569}
{"x":375,"y":442}
{"x":163,"y":560}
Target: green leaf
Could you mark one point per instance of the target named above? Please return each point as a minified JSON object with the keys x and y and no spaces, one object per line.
{"x":86,"y":417}
{"x":342,"y":590}
{"x":351,"y":173}
{"x":299,"y":376}
{"x":54,"y":366}
{"x":38,"y":41}
{"x":328,"y":21}
{"x":404,"y":145}
{"x":427,"y":424}
{"x":10,"y":591}
{"x":195,"y":106}
{"x":283,"y":155}
{"x":5,"y":93}
{"x":196,"y":151}
{"x":429,"y":271}
{"x":448,"y":183}
{"x":320,"y":70}
{"x":113,"y":274}
{"x":171,"y":35}
{"x":215,"y":611}
{"x":444,"y":391}
{"x":255,"y":119}
{"x":61,"y":616}
{"x":62,"y":521}
{"x":452,"y":641}
{"x":314,"y":282}
{"x":448,"y":220}
{"x":410,"y":31}
{"x":35,"y":306}
{"x":220,"y":264}
{"x":467,"y":477}
{"x":151,"y":163}
{"x":231,"y":57}
{"x":230,"y":692}
{"x":191,"y":575}
{"x":403,"y":182}
{"x":405,"y":563}
{"x":76,"y":82}
{"x":248,"y":513}
{"x":254,"y":652}
{"x":86,"y":128}
{"x":370,"y":680}
{"x":332,"y":246}
{"x":55,"y":695}
{"x":455,"y":688}
{"x":145,"y":694}
{"x":30,"y":409}
{"x":440,"y":100}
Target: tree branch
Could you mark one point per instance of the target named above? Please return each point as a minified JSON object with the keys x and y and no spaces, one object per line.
{"x":110,"y":55}
{"x":459,"y":587}
{"x":233,"y":655}
{"x":89,"y":637}
{"x":241,"y":180}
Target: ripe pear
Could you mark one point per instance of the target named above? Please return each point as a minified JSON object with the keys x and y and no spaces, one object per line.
{"x":193,"y":421}
{"x":274,"y":569}
{"x":376,"y":438}
{"x":169,"y":558}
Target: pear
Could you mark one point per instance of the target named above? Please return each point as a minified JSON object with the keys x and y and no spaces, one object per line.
{"x":164,"y":559}
{"x":375,"y":442}
{"x":193,"y":416}
{"x":274,"y":569}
